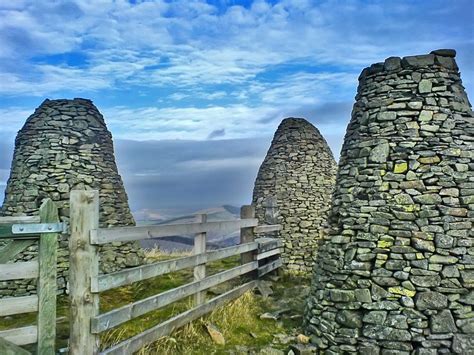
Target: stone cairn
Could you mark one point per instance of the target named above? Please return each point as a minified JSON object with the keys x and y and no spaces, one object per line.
{"x":295,"y":182}
{"x":395,"y":274}
{"x":65,"y":145}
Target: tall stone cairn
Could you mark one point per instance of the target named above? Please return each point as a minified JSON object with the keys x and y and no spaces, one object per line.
{"x":395,"y":275}
{"x":296,"y":180}
{"x":63,"y":146}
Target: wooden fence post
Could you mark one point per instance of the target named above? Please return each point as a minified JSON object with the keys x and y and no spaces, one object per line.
{"x":47,"y":284}
{"x":247,"y":235}
{"x":84,"y":267}
{"x":200,"y":270}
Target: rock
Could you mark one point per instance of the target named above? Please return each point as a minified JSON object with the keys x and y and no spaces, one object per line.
{"x":303,"y":339}
{"x":270,"y":351}
{"x":268,"y":315}
{"x":349,"y":319}
{"x":445,"y":52}
{"x":303,"y":349}
{"x":431,"y":300}
{"x":380,"y":153}
{"x":463,"y":343}
{"x":443,"y":322}
{"x":425,"y":86}
{"x":215,"y":334}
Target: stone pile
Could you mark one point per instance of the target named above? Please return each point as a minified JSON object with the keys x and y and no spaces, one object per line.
{"x":297,"y":179}
{"x":395,"y":274}
{"x":63,"y":146}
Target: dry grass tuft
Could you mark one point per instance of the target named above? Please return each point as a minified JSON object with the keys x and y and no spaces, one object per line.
{"x":232,"y":320}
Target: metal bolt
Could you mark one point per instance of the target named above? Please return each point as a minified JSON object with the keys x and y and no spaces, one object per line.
{"x":21,"y":229}
{"x":49,"y":228}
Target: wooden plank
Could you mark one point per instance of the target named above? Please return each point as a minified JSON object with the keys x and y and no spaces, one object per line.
{"x":13,"y":248}
{"x":6,"y":231}
{"x":137,"y":342}
{"x":246,"y":234}
{"x":21,"y":336}
{"x":269,"y":267}
{"x":267,"y":228}
{"x":17,"y":271}
{"x":84,"y":266}
{"x":19,"y":219}
{"x":143,"y":272}
{"x":8,"y":348}
{"x":127,"y":234}
{"x":17,"y":305}
{"x":266,"y":244}
{"x":230,"y":251}
{"x":200,"y":270}
{"x":47,"y":288}
{"x":123,"y":314}
{"x":269,"y":253}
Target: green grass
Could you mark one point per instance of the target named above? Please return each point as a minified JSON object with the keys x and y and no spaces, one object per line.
{"x":238,"y":321}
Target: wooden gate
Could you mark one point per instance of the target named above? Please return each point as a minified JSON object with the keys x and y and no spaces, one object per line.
{"x":258,"y":257}
{"x":18,"y":233}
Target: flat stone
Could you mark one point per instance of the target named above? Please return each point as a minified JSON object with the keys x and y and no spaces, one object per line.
{"x":431,"y":300}
{"x":392,"y":63}
{"x":443,"y":259}
{"x":425,"y":86}
{"x":380,"y":153}
{"x":418,"y":60}
{"x":443,"y":322}
{"x":349,"y":319}
{"x":445,"y":52}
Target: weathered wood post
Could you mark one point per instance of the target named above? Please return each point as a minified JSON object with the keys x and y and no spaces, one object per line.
{"x":200,"y":270}
{"x":47,"y":284}
{"x":84,"y":266}
{"x":247,"y":235}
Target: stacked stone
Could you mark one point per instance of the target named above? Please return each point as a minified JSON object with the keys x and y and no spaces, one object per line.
{"x":297,"y":178}
{"x":65,"y":145}
{"x":395,"y":275}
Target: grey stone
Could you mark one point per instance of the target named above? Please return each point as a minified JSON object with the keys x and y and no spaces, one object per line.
{"x":380,"y":153}
{"x":443,"y":322}
{"x":431,"y":300}
{"x":445,"y":52}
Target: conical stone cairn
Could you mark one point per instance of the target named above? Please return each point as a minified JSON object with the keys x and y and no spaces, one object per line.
{"x":63,"y":146}
{"x":395,"y":275}
{"x":293,"y":188}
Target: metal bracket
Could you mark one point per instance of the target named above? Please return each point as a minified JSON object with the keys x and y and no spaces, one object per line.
{"x":39,"y":228}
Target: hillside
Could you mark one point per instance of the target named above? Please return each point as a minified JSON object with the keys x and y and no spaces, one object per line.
{"x":185,"y":242}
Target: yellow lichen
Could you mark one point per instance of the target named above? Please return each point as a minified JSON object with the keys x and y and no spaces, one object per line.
{"x":401,"y":291}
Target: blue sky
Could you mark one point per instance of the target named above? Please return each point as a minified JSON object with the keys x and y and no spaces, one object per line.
{"x":209,"y":74}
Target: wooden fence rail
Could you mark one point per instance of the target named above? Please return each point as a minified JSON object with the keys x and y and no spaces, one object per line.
{"x":44,"y":269}
{"x":86,"y":283}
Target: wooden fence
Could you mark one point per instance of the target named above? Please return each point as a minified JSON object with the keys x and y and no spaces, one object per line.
{"x":86,"y":283}
{"x":19,"y":233}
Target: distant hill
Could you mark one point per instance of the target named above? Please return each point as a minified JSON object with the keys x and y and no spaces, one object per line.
{"x":185,"y":242}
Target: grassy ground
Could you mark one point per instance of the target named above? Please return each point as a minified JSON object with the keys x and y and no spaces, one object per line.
{"x":239,"y":321}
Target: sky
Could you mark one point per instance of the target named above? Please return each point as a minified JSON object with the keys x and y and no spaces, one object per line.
{"x":193,"y":91}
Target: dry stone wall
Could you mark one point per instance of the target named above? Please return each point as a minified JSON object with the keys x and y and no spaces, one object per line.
{"x":63,"y":146}
{"x":395,"y":275}
{"x":295,"y":181}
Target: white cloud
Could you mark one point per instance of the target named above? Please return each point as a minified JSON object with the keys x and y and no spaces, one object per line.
{"x":205,"y":45}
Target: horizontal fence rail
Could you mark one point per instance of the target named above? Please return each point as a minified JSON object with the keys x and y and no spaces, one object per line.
{"x":128,"y":234}
{"x":258,"y":257}
{"x":140,"y":273}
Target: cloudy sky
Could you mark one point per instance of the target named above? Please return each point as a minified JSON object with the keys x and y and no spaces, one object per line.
{"x":194,"y":90}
